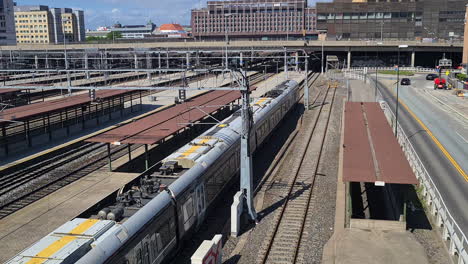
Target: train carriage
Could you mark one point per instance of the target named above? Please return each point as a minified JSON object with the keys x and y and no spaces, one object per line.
{"x":150,"y":220}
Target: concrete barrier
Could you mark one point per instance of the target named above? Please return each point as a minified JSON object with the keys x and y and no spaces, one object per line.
{"x":209,"y":252}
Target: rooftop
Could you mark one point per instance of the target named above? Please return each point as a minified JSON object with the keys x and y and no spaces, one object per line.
{"x":371,"y":151}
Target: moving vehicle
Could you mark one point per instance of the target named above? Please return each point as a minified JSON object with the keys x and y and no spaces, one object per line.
{"x":431,"y":76}
{"x":151,"y":216}
{"x":440,"y":83}
{"x":405,"y":81}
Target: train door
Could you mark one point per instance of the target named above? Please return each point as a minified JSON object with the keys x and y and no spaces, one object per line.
{"x":200,"y":202}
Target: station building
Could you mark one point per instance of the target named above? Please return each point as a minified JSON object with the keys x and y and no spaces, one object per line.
{"x":427,"y":20}
{"x":254,"y":19}
{"x":40,"y":24}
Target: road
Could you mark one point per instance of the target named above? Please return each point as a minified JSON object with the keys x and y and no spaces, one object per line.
{"x":449,"y":129}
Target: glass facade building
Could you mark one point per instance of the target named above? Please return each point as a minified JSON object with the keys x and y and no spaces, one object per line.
{"x":392,"y":19}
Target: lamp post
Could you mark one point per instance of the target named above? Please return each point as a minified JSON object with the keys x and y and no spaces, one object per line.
{"x":322,"y":58}
{"x":227,"y":37}
{"x":398,"y":88}
{"x":376,"y":70}
{"x":65,"y":53}
{"x":376,"y":75}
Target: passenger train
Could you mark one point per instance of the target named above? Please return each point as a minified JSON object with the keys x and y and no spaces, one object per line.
{"x":149,"y":219}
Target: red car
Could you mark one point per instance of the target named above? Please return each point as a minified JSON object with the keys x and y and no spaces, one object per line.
{"x":440,"y":83}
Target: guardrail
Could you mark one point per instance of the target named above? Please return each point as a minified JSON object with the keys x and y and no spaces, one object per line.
{"x":451,"y":231}
{"x":414,"y":69}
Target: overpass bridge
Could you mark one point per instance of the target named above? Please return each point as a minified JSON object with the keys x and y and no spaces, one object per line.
{"x":352,"y":53}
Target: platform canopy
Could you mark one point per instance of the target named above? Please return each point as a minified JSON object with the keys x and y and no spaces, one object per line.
{"x":371,"y":152}
{"x":162,"y":124}
{"x":52,"y":106}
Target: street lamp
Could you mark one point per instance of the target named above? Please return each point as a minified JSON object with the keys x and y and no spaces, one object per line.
{"x":321,"y":67}
{"x":227,"y":37}
{"x":65,"y":52}
{"x":376,"y":70}
{"x":398,"y":88}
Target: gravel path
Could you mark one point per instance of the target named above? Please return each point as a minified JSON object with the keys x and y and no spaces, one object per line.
{"x":319,"y":225}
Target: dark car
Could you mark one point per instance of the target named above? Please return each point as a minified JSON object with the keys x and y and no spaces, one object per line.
{"x":405,"y":81}
{"x":431,"y":76}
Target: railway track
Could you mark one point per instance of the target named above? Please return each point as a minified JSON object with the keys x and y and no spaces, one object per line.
{"x":41,"y":179}
{"x":283,"y":244}
{"x":267,"y":178}
{"x":67,"y":173}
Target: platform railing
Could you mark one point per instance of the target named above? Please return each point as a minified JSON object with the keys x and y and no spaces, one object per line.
{"x":412,"y":69}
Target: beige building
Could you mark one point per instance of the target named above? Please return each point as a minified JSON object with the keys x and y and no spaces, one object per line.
{"x":33,"y":27}
{"x":41,"y":25}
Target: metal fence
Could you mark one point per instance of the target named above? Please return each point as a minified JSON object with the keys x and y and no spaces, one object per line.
{"x":413,"y":69}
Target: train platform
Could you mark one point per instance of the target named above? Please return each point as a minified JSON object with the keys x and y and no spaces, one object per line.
{"x":50,"y":212}
{"x":156,"y":128}
{"x":154,"y":103}
{"x":26,"y":127}
{"x":371,"y":232}
{"x":21,"y":229}
{"x":46,"y":79}
{"x":370,"y":159}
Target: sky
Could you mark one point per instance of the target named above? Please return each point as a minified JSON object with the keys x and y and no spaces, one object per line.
{"x":107,"y":12}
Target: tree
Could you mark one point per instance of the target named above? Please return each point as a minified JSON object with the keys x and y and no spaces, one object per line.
{"x":114,"y":35}
{"x":93,"y":38}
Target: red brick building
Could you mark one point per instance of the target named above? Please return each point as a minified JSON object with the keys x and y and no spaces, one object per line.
{"x":256,"y":19}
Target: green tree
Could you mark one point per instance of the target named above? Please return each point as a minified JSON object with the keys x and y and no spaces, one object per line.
{"x":93,"y":38}
{"x":114,"y":35}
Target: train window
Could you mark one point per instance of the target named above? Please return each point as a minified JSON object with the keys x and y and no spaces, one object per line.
{"x":165,"y":234}
{"x":154,"y":247}
{"x":188,"y":209}
{"x":139,"y":257}
{"x":203,"y":195}
{"x":147,"y":253}
{"x":159,"y":242}
{"x":129,"y":257}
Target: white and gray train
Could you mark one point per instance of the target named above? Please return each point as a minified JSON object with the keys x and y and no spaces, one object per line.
{"x":149,"y":219}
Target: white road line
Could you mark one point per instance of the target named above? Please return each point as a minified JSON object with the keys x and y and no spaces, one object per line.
{"x":463,"y":116}
{"x":466,"y":141}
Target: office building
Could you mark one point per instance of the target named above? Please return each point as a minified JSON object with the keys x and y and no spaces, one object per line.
{"x":7,"y":23}
{"x":392,"y":19}
{"x":255,"y":19}
{"x":43,"y":25}
{"x":134,"y":31}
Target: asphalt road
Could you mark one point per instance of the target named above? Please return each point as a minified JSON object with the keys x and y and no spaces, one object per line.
{"x":448,"y":129}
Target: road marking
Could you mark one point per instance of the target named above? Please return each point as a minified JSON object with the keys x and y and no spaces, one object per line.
{"x":466,"y":141}
{"x":436,"y":141}
{"x":465,"y":118}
